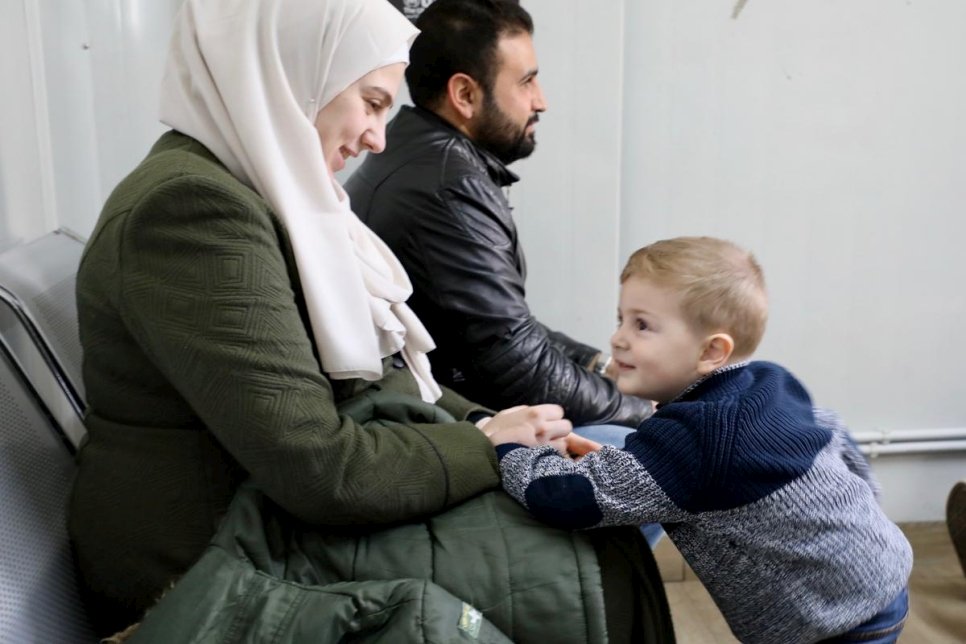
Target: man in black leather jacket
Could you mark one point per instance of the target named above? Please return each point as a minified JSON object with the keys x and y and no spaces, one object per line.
{"x":436,"y":197}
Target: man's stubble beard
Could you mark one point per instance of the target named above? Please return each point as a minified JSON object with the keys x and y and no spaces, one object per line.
{"x":500,"y":136}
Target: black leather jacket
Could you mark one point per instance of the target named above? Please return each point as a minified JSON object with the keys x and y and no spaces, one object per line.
{"x":437,"y":201}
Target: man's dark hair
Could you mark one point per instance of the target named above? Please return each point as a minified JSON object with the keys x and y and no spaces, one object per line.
{"x":460,"y":36}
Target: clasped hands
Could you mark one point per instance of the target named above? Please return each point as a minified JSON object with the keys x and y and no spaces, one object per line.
{"x":535,"y":425}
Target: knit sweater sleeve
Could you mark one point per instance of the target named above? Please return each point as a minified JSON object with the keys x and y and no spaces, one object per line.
{"x":208,"y":295}
{"x":614,"y":486}
{"x":851,"y":455}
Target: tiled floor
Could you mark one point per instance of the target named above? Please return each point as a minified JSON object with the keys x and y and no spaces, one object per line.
{"x":937,"y":593}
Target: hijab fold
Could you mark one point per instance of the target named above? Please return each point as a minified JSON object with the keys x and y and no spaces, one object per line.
{"x":247,"y":78}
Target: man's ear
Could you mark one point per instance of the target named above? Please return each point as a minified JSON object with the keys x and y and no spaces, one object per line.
{"x":464,"y":95}
{"x":717,"y":351}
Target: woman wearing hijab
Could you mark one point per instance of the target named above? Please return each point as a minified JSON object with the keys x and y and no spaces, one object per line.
{"x":240,"y":324}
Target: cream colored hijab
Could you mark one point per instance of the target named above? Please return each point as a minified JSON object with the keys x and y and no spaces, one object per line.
{"x":247,"y":79}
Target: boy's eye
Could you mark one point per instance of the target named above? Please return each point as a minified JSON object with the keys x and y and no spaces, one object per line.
{"x":641,"y":325}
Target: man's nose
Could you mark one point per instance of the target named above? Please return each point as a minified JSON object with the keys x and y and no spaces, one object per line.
{"x":539,"y":100}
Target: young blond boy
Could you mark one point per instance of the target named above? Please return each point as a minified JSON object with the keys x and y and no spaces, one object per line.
{"x":768,"y":500}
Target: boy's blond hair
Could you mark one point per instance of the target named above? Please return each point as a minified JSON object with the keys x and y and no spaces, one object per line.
{"x":721,"y":285}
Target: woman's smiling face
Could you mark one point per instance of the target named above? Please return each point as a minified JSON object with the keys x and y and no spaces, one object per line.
{"x":355,"y":120}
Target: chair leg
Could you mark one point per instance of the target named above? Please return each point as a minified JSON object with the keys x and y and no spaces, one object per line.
{"x":956,"y":520}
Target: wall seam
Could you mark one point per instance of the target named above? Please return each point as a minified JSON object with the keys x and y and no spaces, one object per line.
{"x":35,"y":49}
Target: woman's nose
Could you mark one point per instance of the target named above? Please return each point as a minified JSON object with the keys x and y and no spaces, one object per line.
{"x":374,"y":139}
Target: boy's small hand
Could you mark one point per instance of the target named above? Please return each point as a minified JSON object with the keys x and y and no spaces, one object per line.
{"x":579,"y":446}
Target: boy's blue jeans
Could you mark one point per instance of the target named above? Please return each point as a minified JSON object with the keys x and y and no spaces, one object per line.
{"x":882,"y":628}
{"x":616,"y":435}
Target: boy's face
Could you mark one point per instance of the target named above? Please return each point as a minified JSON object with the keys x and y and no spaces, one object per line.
{"x":657,"y":353}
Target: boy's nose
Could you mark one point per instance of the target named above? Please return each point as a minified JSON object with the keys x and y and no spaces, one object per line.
{"x":616,"y":340}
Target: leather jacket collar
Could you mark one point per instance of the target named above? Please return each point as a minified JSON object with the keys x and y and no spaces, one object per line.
{"x":496,"y":169}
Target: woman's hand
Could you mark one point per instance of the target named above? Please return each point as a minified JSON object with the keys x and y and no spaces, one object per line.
{"x":530,"y":426}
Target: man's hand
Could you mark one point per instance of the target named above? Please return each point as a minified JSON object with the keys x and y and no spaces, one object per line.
{"x":531,"y":426}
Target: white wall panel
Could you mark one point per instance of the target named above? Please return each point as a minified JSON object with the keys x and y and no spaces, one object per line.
{"x":71,"y":112}
{"x":84,"y":76}
{"x":129,"y":45}
{"x":27,"y":206}
{"x":915,"y":487}
{"x":566,"y":204}
{"x":828,"y":137}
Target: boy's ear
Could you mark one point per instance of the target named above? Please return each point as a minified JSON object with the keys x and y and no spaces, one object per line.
{"x":464,"y":95}
{"x":717,"y":351}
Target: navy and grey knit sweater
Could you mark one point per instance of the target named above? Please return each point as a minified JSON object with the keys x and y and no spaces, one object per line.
{"x":769,"y":502}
